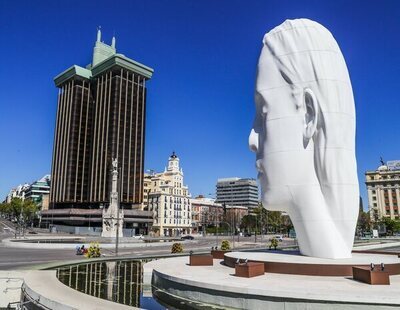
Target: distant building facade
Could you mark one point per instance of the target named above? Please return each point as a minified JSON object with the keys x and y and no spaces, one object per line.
{"x":169,"y":201}
{"x":205,"y":212}
{"x":18,"y":192}
{"x":238,"y":192}
{"x":38,"y":189}
{"x":100,"y":117}
{"x":234,"y":214}
{"x":383,"y":187}
{"x":146,"y":190}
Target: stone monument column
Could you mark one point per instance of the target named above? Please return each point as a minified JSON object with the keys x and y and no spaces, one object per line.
{"x":113,"y":217}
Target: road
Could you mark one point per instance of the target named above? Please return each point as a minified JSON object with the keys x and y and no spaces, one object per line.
{"x":19,"y":258}
{"x":15,"y":258}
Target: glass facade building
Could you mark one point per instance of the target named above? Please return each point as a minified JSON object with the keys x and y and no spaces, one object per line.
{"x":100,"y":116}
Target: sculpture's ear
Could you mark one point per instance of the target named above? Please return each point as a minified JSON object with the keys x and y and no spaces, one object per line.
{"x":311,"y":113}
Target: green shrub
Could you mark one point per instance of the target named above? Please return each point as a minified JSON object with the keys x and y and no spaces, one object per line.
{"x":93,"y":250}
{"x":273,"y":244}
{"x":220,"y":230}
{"x":225,"y":245}
{"x":177,"y":248}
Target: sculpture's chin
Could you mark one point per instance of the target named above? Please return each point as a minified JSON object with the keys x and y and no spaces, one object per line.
{"x":274,"y":207}
{"x":276,"y":198}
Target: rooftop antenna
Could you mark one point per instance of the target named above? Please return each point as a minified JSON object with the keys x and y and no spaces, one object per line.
{"x":113,"y":40}
{"x":98,"y":33}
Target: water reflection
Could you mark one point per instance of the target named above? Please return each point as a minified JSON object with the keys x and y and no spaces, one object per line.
{"x":118,"y":281}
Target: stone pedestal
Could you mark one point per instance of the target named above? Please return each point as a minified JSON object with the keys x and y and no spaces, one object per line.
{"x":373,"y":277}
{"x":249,"y":270}
{"x":201,"y":260}
{"x":218,"y":254}
{"x":111,"y":223}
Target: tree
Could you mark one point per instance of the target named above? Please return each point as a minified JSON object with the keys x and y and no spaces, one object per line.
{"x":274,"y":220}
{"x":23,"y":211}
{"x":271,"y":220}
{"x":287,"y":224}
{"x":249,"y":222}
{"x":392,"y":226}
{"x":363,"y":222}
{"x":261,"y":216}
{"x":5,"y":210}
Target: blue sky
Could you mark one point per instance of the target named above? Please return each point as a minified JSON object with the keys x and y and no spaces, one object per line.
{"x":200,"y":99}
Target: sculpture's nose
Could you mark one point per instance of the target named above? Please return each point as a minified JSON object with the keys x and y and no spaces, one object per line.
{"x":253,"y":141}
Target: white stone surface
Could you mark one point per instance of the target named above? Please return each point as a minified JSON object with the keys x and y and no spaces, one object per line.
{"x":45,"y":287}
{"x":304,"y":136}
{"x":356,"y":259}
{"x":10,"y":287}
{"x":217,"y":284}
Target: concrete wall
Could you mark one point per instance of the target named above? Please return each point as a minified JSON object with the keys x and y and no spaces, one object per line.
{"x":92,"y":231}
{"x":77,"y":230}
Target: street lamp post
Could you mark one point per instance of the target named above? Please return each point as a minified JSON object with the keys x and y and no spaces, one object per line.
{"x":216,"y":230}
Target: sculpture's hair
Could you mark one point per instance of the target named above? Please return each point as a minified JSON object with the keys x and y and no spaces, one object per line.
{"x":307,"y":56}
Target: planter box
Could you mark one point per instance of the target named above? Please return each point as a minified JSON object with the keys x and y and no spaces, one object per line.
{"x":249,"y":270}
{"x":373,"y":277}
{"x":201,"y":260}
{"x":218,"y":254}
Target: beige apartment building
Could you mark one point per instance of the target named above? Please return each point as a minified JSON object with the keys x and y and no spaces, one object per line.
{"x":169,"y":200}
{"x":146,"y":190}
{"x":383,"y":186}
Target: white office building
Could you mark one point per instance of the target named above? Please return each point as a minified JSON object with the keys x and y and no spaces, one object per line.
{"x":238,"y":192}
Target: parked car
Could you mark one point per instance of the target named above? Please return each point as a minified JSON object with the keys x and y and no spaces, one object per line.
{"x":138,"y":236}
{"x":247,"y":234}
{"x":279,"y":238}
{"x":188,"y":237}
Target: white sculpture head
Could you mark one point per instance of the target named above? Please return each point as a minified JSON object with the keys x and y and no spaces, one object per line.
{"x":304,"y":136}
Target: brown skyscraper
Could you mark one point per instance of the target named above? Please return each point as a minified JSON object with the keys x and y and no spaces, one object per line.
{"x":100,"y":116}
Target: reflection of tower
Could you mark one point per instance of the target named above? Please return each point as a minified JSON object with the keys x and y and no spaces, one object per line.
{"x":110,"y":266}
{"x":113,"y":217}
